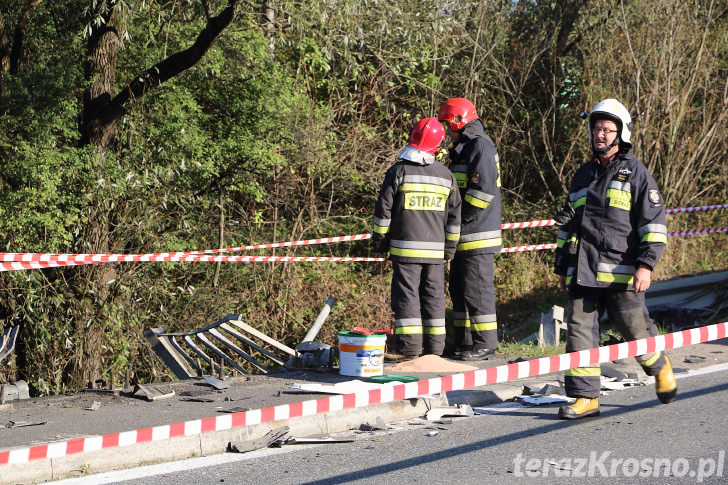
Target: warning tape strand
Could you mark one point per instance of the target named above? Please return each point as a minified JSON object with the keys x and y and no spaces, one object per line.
{"x":25,"y":261}
{"x":551,"y":222}
{"x":383,"y":394}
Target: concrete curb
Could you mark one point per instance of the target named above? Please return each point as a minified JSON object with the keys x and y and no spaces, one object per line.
{"x":212,"y":442}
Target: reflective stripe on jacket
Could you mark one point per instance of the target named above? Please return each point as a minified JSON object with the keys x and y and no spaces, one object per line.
{"x":417,"y":215}
{"x":619,"y":224}
{"x":475,"y":165}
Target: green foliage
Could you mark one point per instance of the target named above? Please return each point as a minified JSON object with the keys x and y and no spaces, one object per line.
{"x":283,"y":131}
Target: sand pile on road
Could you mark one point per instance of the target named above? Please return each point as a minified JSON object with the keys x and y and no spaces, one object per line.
{"x":431,"y":363}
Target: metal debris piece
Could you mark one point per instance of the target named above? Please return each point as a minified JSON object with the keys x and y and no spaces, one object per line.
{"x":194,"y":393}
{"x":694,"y":359}
{"x":459,"y":410}
{"x":230,"y":336}
{"x":269,"y":439}
{"x":379,"y":425}
{"x":545,"y":390}
{"x":316,"y":439}
{"x":93,"y":407}
{"x":346,"y":387}
{"x":613,"y":385}
{"x":320,"y":319}
{"x":21,"y":424}
{"x":609,"y":371}
{"x":217,"y":383}
{"x":236,"y":409}
{"x":197,"y":399}
{"x":311,"y":355}
{"x":153,"y":393}
{"x":541,"y":400}
{"x":500,"y":408}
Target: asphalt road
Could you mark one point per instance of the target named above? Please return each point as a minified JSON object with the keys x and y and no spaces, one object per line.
{"x":635,"y":439}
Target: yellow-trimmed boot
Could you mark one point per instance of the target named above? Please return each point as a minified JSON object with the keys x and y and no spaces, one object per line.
{"x":582,"y":408}
{"x":665,"y":383}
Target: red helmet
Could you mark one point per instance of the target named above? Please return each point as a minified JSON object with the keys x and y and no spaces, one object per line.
{"x":427,"y":135}
{"x":457,"y":112}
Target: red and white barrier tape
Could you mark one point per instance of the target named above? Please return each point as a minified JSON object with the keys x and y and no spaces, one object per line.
{"x":692,"y":232}
{"x":23,"y":261}
{"x":305,"y":242}
{"x":697,"y":209}
{"x":57,"y":260}
{"x":551,"y":222}
{"x":386,"y":393}
{"x":522,"y":225}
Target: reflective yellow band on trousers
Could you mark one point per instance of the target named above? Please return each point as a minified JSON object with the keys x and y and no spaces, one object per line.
{"x":650,"y":359}
{"x":462,"y":323}
{"x":434,"y":330}
{"x":408,"y":330}
{"x":482,"y":327}
{"x":583,"y":372}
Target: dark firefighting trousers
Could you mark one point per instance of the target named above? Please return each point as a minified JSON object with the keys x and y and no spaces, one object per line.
{"x":473,"y":299}
{"x":627,"y":312}
{"x":418,"y":303}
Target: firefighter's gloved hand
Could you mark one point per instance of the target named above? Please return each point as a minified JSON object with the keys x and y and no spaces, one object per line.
{"x":565,"y":214}
{"x":381,"y":245}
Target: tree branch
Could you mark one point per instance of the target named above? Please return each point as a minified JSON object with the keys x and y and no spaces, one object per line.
{"x":11,"y":52}
{"x":169,"y":67}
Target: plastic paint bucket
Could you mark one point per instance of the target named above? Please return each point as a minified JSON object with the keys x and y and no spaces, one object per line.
{"x":361,"y":355}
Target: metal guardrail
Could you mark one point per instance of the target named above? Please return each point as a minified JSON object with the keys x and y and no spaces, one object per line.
{"x":222,"y":341}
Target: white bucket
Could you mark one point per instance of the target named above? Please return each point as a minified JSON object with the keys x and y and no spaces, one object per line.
{"x":361,"y":355}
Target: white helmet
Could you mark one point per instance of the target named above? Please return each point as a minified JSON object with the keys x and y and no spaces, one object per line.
{"x":613,"y":110}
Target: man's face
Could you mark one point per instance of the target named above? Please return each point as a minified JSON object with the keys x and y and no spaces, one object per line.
{"x":604,"y":133}
{"x":454,"y":135}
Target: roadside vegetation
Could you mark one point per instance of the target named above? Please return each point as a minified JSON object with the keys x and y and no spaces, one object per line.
{"x":140,"y":126}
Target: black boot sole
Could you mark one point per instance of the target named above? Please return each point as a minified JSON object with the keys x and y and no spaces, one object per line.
{"x":587,"y":414}
{"x":666,"y":397}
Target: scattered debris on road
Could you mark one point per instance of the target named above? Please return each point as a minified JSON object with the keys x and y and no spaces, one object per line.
{"x":460,"y":410}
{"x":152,"y":393}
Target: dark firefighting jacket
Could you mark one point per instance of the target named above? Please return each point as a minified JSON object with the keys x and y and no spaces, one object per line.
{"x":475,"y":165}
{"x":417,"y":215}
{"x":618,"y":225}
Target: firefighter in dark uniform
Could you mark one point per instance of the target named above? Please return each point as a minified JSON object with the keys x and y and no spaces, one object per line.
{"x":417,"y":220}
{"x":474,"y":162}
{"x":612,"y":232}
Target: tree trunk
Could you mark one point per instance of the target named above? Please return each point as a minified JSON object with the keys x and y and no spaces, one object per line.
{"x":102,"y":110}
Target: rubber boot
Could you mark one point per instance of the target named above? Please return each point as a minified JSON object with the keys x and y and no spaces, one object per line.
{"x":665,"y":383}
{"x":582,"y":408}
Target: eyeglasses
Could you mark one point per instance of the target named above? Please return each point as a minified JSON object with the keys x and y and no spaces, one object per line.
{"x":606,"y":131}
